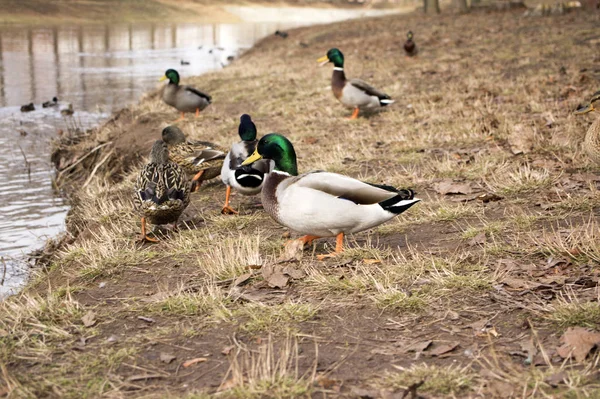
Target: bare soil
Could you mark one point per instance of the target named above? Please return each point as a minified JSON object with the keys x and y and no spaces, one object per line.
{"x":468,"y":294}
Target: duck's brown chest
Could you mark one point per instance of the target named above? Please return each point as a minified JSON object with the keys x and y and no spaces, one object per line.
{"x":269,"y":194}
{"x":592,"y":141}
{"x":338,"y":81}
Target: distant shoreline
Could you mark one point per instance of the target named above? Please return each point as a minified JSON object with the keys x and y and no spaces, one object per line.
{"x":37,"y":12}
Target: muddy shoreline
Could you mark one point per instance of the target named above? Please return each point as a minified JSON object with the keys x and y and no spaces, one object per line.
{"x":461,"y":297}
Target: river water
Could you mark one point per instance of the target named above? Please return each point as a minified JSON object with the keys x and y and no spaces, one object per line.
{"x":98,"y":69}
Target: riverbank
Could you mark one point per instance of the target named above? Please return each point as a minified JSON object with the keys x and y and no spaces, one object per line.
{"x":34,"y":12}
{"x":467,"y":294}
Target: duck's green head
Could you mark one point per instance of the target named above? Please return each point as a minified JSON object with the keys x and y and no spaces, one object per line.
{"x":276,"y":147}
{"x":409,"y":35}
{"x":172,"y":135}
{"x":333,"y":55}
{"x":590,"y":107}
{"x":247,"y":128}
{"x":172,"y":75}
{"x":159,"y":153}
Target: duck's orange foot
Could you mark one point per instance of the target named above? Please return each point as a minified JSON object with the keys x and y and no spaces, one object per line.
{"x":146,"y":238}
{"x":227,"y":210}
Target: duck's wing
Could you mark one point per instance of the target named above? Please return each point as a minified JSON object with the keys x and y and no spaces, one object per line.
{"x":198,"y":93}
{"x":368,"y":89}
{"x":347,"y":188}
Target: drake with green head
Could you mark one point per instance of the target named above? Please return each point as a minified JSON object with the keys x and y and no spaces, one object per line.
{"x":592,"y":137}
{"x":161,"y":190}
{"x":322,"y":204}
{"x":183,"y":98}
{"x":353,"y":93}
{"x":248,"y":179}
{"x":201,"y":159}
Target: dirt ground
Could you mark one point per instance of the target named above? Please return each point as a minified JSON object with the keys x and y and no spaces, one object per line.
{"x":486,"y":289}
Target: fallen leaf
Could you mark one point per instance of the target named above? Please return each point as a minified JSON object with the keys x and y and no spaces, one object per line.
{"x":521,"y":140}
{"x":479,"y":239}
{"x":274,"y":277}
{"x":417,"y":346}
{"x":440,"y":350}
{"x":500,"y":389}
{"x":278,"y":280}
{"x":191,"y":362}
{"x":556,"y":379}
{"x":448,"y":186}
{"x":146,"y":319}
{"x":519,"y":284}
{"x":292,"y":250}
{"x":293,"y":272}
{"x":242,"y":279}
{"x":167,"y":357}
{"x":89,"y":319}
{"x":226,"y":350}
{"x":326,"y":382}
{"x":578,"y":342}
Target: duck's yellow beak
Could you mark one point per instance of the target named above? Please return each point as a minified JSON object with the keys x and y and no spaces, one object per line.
{"x":163,"y":78}
{"x":585,"y":110}
{"x":323,"y":60}
{"x":252,"y":158}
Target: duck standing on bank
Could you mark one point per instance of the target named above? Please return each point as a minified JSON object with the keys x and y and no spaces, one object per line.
{"x":248,"y":179}
{"x":322,"y":204}
{"x":592,"y":137}
{"x":410,"y":47}
{"x":353,"y":93}
{"x":201,"y":159}
{"x":161,"y":190}
{"x":183,"y":98}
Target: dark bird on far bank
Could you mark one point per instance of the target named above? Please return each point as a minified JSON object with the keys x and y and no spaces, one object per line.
{"x":410,"y":47}
{"x":52,"y":103}
{"x":27,"y":107}
{"x":182,"y":62}
{"x":281,"y":33}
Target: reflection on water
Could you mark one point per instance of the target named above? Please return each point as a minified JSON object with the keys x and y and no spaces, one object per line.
{"x":111,"y":66}
{"x":99,"y":69}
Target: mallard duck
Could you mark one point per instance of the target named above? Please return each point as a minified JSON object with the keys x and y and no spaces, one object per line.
{"x":183,"y":98}
{"x":410,"y":47}
{"x":592,"y":137}
{"x":27,"y":107}
{"x":322,"y":204}
{"x":67,"y":111}
{"x":247,"y":179}
{"x":201,"y":159}
{"x":52,"y":103}
{"x":161,"y":190}
{"x":354,"y":92}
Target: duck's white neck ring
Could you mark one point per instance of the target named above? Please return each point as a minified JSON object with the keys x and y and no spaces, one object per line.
{"x":338,"y":68}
